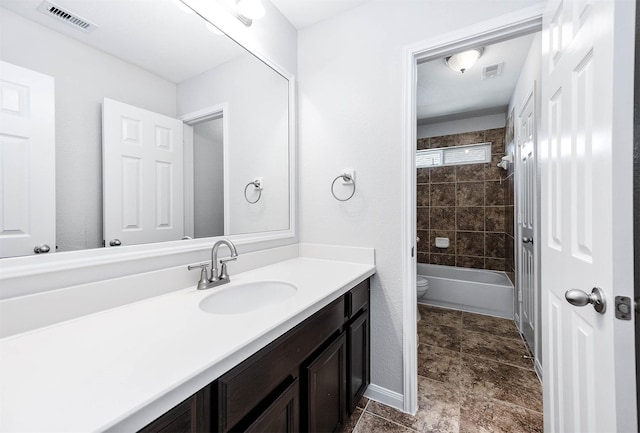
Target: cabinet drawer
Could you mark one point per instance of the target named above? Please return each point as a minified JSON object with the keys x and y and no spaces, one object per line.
{"x":358,"y":298}
{"x":246,"y":386}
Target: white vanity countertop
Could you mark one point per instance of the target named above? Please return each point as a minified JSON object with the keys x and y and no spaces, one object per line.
{"x":122,"y":368}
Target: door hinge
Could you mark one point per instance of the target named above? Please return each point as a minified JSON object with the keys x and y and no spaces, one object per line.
{"x":412,"y":248}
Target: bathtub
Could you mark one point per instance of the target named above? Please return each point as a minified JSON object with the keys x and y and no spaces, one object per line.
{"x":473,"y":290}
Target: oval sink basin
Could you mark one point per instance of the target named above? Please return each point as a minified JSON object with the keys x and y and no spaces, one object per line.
{"x":243,"y":298}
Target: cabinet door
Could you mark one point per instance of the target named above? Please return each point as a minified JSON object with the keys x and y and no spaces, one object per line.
{"x":190,"y":416}
{"x":281,"y":416}
{"x":358,"y":367}
{"x":326,"y":385}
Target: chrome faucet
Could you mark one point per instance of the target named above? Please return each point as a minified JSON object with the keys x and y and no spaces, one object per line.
{"x":216,"y":279}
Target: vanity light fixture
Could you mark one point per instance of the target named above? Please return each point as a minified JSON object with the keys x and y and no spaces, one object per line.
{"x":244,"y":10}
{"x":460,"y":62}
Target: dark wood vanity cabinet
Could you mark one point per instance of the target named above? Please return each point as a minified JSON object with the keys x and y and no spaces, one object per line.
{"x":358,"y":343}
{"x":190,"y":416}
{"x":307,"y":380}
{"x":326,"y":385}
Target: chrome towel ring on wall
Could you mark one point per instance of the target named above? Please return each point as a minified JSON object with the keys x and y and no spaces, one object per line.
{"x":257,"y":184}
{"x":348,"y":177}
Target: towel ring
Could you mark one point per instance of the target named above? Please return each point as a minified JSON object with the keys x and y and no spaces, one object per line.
{"x":347,"y":178}
{"x":256,"y":185}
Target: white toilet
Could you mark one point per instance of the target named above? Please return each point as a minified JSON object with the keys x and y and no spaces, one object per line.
{"x":422,"y":285}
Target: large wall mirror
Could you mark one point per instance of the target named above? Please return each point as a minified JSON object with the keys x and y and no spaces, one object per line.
{"x":134,"y":122}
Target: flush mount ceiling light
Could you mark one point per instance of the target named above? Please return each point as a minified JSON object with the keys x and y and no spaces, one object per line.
{"x":462,"y":61}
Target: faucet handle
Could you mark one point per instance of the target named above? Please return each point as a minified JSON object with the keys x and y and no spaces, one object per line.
{"x":224,"y":275}
{"x":204,"y":275}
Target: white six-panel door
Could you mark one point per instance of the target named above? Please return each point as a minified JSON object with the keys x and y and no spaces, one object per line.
{"x":586,"y":215}
{"x":527,"y":263}
{"x":27,"y":161}
{"x":142,"y":175}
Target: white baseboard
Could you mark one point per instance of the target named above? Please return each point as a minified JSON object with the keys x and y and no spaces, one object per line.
{"x":538,"y":368}
{"x":385,"y":396}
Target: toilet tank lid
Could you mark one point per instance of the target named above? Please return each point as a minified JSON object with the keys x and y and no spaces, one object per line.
{"x":421,"y":281}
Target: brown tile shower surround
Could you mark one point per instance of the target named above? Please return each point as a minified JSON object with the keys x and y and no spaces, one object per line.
{"x":472,"y":205}
{"x":473,"y":377}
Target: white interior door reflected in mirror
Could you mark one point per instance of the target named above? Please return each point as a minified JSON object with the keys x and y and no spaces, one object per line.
{"x":27,"y":161}
{"x":143,"y":175}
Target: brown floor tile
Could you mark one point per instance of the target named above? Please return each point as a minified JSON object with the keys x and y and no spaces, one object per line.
{"x":352,"y":421}
{"x":438,"y":409}
{"x":483,"y":415}
{"x":501,"y":381}
{"x":441,"y":316}
{"x":505,"y":350}
{"x":491,"y":325}
{"x":439,"y":364}
{"x":363,"y":403}
{"x":370,"y":423}
{"x":447,"y":337}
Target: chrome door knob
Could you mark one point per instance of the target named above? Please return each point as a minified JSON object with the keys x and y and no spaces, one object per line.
{"x":580,"y":299}
{"x":115,"y":242}
{"x":41,"y":249}
{"x":527,"y":240}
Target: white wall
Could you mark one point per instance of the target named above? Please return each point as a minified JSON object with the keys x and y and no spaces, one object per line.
{"x":208,"y":184}
{"x":83,"y":76}
{"x":478,"y":123}
{"x":531,"y":72}
{"x":351,"y":104}
{"x":257,"y":138}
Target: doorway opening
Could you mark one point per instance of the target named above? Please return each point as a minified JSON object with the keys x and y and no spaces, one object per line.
{"x":205,"y":138}
{"x":500,"y":30}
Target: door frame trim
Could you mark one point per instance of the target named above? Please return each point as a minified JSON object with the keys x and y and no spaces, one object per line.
{"x":189,"y":120}
{"x":508,"y":26}
{"x":636,"y":203}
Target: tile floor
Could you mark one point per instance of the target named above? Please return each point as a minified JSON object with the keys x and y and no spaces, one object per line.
{"x":473,"y":377}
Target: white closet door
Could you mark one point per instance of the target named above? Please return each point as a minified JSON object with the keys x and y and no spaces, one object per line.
{"x":527,"y":264}
{"x":142,"y":175}
{"x":27,"y":161}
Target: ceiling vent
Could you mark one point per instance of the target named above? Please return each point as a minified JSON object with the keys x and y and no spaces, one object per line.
{"x":53,"y":10}
{"x":492,"y":71}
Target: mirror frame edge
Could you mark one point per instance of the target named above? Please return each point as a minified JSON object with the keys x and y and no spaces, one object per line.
{"x":76,"y":264}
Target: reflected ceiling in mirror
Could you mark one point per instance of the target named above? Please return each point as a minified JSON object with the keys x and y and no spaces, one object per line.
{"x":155,"y":57}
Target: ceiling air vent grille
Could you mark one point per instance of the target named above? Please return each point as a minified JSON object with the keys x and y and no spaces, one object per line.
{"x":55,"y":11}
{"x":492,"y":71}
